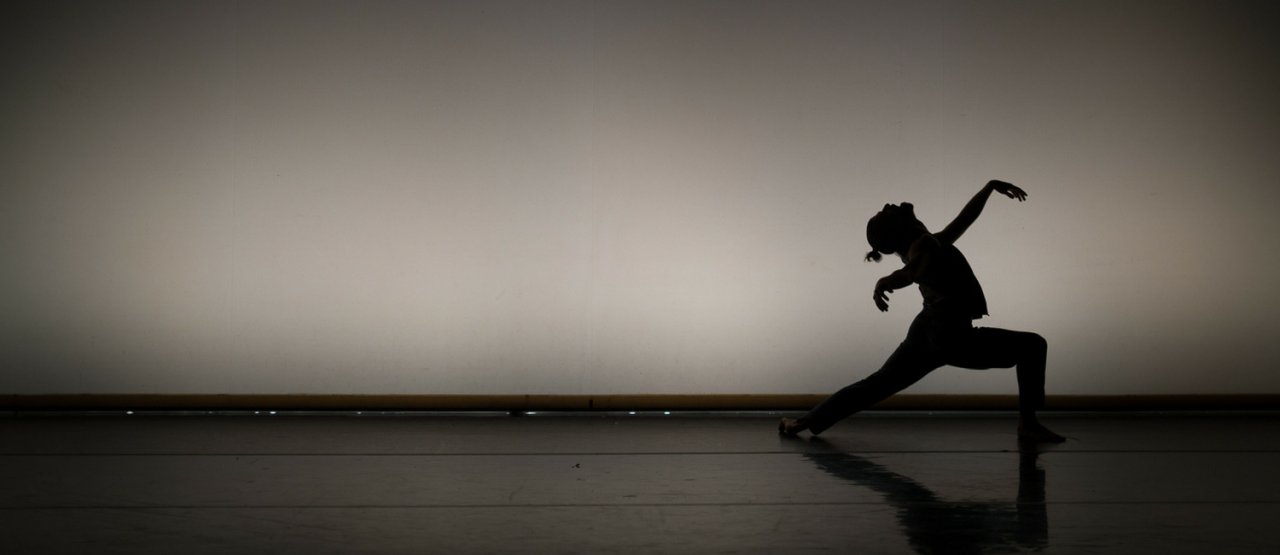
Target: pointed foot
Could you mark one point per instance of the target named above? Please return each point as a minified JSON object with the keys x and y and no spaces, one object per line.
{"x":792,"y":427}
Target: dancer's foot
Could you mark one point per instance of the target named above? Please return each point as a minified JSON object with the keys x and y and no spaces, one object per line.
{"x":1035,"y":432}
{"x":792,"y":427}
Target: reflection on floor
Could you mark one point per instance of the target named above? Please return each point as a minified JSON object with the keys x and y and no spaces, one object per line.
{"x":644,"y":483}
{"x":933,"y":525}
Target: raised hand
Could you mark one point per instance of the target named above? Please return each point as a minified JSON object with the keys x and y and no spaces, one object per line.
{"x":1007,"y":189}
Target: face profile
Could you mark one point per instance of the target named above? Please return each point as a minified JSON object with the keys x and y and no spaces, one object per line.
{"x":893,"y":229}
{"x":904,"y":208}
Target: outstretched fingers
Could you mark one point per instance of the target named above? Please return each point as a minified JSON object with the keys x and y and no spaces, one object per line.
{"x":1013,"y":191}
{"x":882,"y":302}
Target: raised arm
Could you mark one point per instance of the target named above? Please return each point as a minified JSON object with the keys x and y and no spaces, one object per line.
{"x":972,"y":210}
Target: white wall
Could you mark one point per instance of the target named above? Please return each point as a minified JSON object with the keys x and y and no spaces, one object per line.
{"x":626,"y":197}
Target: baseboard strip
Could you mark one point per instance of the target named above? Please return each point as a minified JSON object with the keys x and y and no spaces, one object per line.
{"x":310,"y":402}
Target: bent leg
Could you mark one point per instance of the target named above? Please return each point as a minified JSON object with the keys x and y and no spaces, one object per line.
{"x":997,"y":348}
{"x":906,"y":366}
{"x":1000,"y":348}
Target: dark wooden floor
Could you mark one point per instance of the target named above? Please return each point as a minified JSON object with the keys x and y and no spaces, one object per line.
{"x":646,"y":483}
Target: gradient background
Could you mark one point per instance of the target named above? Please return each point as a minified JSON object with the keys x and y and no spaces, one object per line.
{"x":626,"y":197}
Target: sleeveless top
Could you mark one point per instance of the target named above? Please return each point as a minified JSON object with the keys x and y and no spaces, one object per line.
{"x":949,"y":286}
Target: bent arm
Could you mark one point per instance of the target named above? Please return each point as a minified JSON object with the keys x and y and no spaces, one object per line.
{"x":917,"y":261}
{"x":971,"y":211}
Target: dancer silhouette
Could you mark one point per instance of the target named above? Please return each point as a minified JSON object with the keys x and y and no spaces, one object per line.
{"x":943,"y":332}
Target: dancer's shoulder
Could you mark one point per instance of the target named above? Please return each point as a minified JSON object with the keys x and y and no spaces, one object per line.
{"x":926,"y":243}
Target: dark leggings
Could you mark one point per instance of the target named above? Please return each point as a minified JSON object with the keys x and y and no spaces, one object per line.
{"x":936,"y":340}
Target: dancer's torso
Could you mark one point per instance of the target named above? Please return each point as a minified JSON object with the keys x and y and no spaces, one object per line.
{"x":949,"y":286}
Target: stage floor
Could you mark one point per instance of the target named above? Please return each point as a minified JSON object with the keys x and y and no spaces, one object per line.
{"x":644,"y":483}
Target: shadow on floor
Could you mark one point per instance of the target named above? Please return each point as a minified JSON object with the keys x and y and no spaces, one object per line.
{"x":933,"y":525}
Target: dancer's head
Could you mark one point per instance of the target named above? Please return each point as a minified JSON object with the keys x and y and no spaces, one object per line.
{"x":893,"y":230}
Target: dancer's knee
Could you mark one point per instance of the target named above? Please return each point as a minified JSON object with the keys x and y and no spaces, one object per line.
{"x":1032,"y":348}
{"x":1036,"y":343}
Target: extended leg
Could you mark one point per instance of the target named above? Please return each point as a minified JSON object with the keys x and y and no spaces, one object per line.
{"x":906,"y":366}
